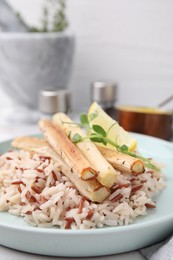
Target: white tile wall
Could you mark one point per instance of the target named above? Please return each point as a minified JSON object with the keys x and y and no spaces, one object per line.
{"x":126,"y":41}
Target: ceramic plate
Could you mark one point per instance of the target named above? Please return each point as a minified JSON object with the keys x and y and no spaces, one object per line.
{"x":157,"y":225}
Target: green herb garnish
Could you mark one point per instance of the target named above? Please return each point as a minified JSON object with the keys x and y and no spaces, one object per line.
{"x":97,"y":134}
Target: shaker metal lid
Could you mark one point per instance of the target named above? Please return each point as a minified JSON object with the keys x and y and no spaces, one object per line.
{"x":53,"y":101}
{"x":103,"y":91}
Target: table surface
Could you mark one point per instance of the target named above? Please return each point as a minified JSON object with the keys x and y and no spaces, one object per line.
{"x":8,"y":131}
{"x":10,"y":254}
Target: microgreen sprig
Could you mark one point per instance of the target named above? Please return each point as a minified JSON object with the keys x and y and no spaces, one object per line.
{"x":97,"y":134}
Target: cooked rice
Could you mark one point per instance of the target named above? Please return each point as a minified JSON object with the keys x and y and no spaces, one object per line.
{"x":33,"y":187}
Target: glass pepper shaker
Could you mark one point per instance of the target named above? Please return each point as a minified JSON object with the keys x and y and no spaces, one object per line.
{"x":104,"y":93}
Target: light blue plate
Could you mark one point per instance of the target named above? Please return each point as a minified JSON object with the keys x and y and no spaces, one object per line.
{"x":154,"y":227}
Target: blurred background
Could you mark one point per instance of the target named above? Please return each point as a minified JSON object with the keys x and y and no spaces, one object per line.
{"x":129,"y":42}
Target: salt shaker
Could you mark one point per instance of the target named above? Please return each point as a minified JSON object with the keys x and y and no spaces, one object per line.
{"x":51,"y":102}
{"x":104,"y":93}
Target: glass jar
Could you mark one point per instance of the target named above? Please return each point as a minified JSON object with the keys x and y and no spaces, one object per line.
{"x":105,"y":93}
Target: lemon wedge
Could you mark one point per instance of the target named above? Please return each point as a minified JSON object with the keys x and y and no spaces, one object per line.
{"x":115,"y":132}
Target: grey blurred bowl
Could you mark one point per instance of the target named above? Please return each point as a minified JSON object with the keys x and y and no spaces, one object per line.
{"x":30,"y":62}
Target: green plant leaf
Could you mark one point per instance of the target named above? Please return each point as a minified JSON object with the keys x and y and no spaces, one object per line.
{"x":124,"y":148}
{"x":84,"y":120}
{"x":98,"y":129}
{"x":92,"y":116}
{"x":97,"y":139}
{"x":104,"y":141}
{"x":76,"y":138}
{"x":53,"y":17}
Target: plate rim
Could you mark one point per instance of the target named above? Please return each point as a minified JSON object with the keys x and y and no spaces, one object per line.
{"x":96,"y":230}
{"x":79,"y":235}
